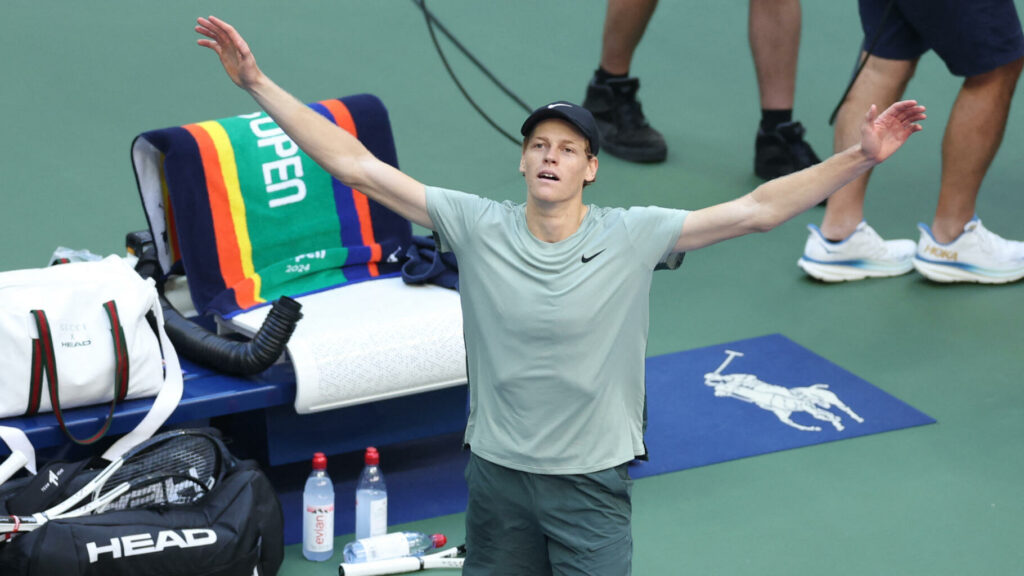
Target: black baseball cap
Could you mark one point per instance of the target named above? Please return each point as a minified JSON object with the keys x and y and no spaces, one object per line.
{"x":578,"y":116}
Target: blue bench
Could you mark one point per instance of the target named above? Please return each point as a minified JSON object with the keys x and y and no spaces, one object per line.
{"x":258,"y":414}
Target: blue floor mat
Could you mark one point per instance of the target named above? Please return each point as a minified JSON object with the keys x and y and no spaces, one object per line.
{"x":705,"y":406}
{"x":696,"y":418}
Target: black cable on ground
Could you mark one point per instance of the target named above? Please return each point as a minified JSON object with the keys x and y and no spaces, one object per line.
{"x":867,"y":54}
{"x":433,"y":21}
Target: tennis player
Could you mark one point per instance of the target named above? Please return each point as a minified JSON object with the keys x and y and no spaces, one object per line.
{"x":555,"y":309}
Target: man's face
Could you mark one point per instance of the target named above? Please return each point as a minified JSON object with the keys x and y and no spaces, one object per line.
{"x":555,"y":161}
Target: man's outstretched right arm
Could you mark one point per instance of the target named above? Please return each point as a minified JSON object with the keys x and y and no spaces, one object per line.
{"x":335,"y":150}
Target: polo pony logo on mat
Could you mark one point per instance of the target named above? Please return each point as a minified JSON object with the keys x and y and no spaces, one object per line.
{"x":814,"y":400}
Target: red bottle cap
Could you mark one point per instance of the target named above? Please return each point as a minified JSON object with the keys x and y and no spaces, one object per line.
{"x":372,"y":456}
{"x":439,"y":540}
{"x":319,"y":461}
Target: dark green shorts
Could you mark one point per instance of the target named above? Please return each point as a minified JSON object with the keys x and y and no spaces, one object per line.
{"x":519,"y":523}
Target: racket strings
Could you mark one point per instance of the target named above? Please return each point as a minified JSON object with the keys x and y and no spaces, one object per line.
{"x":178,"y":471}
{"x":177,"y":468}
{"x":158,"y":491}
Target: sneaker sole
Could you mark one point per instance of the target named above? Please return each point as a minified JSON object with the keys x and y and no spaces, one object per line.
{"x":856,"y":270}
{"x":960,"y":272}
{"x":635,"y":154}
{"x":771,"y":173}
{"x":766,"y":169}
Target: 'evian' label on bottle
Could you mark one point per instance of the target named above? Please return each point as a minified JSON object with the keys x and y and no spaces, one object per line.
{"x":318,"y":525}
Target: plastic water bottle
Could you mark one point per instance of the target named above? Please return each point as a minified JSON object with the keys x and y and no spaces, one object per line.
{"x":393,"y":545}
{"x":318,"y":512}
{"x":371,"y":498}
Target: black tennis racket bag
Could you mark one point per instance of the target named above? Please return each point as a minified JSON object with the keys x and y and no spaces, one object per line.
{"x":236,"y":529}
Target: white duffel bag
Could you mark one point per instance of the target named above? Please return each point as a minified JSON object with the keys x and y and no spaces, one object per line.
{"x":84,"y":333}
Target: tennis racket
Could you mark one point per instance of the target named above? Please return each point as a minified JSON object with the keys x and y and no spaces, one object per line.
{"x":449,"y":559}
{"x":12,"y":464}
{"x":176,"y":467}
{"x":10,"y":526}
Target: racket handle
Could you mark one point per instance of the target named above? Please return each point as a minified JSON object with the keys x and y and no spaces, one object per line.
{"x":12,"y":464}
{"x":454,"y":563}
{"x":380,"y":567}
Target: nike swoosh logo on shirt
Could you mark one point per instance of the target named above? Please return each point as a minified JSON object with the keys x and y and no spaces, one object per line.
{"x":585,"y":259}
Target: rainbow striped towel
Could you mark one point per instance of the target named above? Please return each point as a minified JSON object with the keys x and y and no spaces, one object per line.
{"x":251,"y":217}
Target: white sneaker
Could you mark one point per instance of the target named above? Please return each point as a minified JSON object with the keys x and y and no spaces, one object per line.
{"x":977,"y":255}
{"x":862,"y":254}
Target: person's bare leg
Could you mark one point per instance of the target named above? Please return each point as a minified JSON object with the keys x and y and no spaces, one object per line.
{"x":624,"y":24}
{"x":972,"y":138}
{"x":612,"y":94}
{"x":881,"y":83}
{"x":774,"y":33}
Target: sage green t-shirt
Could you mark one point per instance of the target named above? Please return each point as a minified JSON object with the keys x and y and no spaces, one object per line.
{"x":556,"y":333}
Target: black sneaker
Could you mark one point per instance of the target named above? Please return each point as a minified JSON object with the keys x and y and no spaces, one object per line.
{"x":782,"y":151}
{"x":625,"y":132}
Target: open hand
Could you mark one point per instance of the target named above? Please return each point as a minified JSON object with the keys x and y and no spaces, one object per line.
{"x":882,"y":134}
{"x":234,"y":53}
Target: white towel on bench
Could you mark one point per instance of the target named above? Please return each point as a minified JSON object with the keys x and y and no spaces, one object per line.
{"x":371,"y":341}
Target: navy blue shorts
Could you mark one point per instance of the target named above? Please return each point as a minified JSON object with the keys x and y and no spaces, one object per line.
{"x":971,"y":36}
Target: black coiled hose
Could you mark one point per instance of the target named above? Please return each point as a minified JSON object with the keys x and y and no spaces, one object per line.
{"x":232,"y":356}
{"x":198,"y":344}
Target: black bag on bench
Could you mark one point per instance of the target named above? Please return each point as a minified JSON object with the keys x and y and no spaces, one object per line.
{"x":236,"y":529}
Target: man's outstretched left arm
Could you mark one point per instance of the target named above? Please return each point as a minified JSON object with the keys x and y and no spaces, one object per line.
{"x":776,"y":201}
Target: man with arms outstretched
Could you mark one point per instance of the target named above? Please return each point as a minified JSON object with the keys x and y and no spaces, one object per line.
{"x":555,"y":311}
